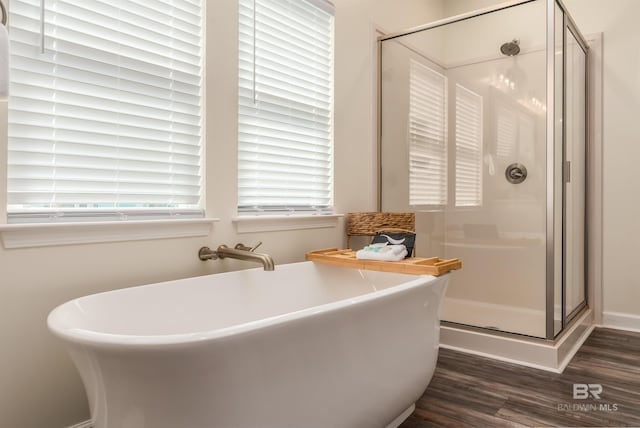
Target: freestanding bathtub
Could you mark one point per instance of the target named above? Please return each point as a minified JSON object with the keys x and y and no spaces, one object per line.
{"x":304,"y":346}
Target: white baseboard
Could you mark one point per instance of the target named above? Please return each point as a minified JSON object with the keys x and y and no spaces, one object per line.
{"x":85,"y":424}
{"x":621,"y":321}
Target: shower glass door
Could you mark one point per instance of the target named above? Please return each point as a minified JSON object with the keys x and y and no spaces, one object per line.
{"x":575,"y":176}
{"x":463,"y":144}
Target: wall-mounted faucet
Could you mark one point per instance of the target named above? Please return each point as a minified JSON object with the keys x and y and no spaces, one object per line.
{"x":240,"y":252}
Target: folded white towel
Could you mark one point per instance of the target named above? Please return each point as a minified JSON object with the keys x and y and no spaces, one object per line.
{"x":382,"y":252}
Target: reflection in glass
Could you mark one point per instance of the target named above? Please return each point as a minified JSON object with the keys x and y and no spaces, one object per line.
{"x":427,"y":136}
{"x":468,"y":148}
{"x":507,"y":132}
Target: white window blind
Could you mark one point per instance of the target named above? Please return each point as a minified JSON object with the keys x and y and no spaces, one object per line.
{"x":285,"y":120}
{"x":107,"y":120}
{"x":468,"y":148}
{"x":427,"y":136}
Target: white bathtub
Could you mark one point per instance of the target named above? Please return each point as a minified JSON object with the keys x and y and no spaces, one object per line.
{"x":303,"y":346}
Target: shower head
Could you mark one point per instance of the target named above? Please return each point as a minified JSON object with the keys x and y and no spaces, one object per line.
{"x":511,"y":48}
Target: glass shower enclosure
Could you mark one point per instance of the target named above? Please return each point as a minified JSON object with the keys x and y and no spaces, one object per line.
{"x":483,"y":134}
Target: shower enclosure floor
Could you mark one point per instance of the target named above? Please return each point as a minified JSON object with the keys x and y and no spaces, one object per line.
{"x":527,"y":321}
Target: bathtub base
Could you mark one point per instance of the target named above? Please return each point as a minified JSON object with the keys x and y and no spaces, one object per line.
{"x":394,"y":424}
{"x":402,"y":417}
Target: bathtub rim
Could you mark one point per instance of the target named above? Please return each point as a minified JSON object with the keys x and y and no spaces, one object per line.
{"x":109,"y":340}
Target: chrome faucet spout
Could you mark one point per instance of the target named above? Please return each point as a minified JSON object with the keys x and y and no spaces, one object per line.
{"x":240,"y":252}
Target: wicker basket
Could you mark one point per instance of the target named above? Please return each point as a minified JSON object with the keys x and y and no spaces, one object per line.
{"x":369,"y":223}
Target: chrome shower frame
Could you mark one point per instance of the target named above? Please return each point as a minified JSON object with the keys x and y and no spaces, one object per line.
{"x":551,"y":234}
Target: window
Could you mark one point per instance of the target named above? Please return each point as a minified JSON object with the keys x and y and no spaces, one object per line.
{"x":285,"y":119}
{"x":468,"y":148}
{"x":427,"y":136}
{"x":105,"y":118}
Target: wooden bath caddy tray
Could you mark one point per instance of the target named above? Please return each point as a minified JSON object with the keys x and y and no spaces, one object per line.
{"x":413,"y":265}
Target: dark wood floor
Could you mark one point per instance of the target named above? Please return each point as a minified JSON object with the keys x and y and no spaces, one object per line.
{"x":471,"y":391}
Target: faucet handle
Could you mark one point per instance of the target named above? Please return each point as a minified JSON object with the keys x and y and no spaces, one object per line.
{"x":245,"y":248}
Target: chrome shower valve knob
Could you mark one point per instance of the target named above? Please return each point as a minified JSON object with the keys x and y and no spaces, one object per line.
{"x":516,"y":173}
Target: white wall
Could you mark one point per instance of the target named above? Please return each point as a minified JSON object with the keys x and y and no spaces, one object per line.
{"x":456,"y":7}
{"x":356,"y":22}
{"x":38,"y":384}
{"x":617,"y":20}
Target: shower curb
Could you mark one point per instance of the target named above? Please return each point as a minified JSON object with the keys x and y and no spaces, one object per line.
{"x":531,"y":352}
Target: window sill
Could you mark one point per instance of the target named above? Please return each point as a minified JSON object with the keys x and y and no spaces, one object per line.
{"x":44,"y":235}
{"x":257,"y":223}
